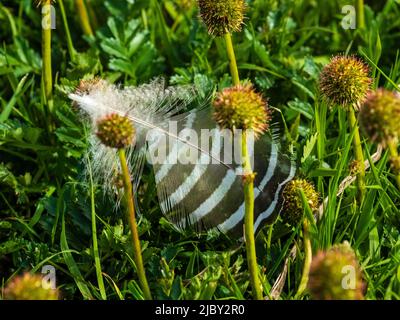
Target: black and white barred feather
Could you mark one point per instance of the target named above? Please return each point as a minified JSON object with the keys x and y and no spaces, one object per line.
{"x":206,"y":193}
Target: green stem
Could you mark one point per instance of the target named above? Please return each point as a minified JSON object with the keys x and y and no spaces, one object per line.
{"x":249,"y":221}
{"x":46,"y":58}
{"x":11,"y":21}
{"x":92,"y":14}
{"x":248,"y":189}
{"x":137,"y":251}
{"x":70,"y":45}
{"x":395,"y":155}
{"x":320,"y":123}
{"x":269,"y":240}
{"x":360,"y":14}
{"x":307,"y":258}
{"x":232,"y":59}
{"x":358,"y":153}
{"x":84,"y":17}
{"x":96,"y":254}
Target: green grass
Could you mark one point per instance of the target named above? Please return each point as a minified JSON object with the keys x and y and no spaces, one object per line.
{"x":47,"y":209}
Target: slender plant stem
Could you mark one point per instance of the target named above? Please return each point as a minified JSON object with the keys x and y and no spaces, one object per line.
{"x":96,"y":255}
{"x":84,"y":17}
{"x":46,"y":57}
{"x":269,"y":240}
{"x":358,"y":154}
{"x":320,"y":123}
{"x":360,"y":14}
{"x":232,"y":59}
{"x":92,"y":14}
{"x":249,"y":221}
{"x":395,"y":155}
{"x":70,"y":45}
{"x":248,"y":189}
{"x":307,"y":259}
{"x":137,"y":251}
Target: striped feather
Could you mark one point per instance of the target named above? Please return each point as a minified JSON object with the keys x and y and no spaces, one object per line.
{"x":210,"y":196}
{"x":202,"y":194}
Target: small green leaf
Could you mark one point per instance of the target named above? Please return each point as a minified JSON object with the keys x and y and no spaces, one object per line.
{"x":309,"y":147}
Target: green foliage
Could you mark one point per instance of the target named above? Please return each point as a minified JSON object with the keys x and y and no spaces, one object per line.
{"x":45,"y":203}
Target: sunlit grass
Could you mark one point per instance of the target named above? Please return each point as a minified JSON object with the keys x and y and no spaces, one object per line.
{"x":47,"y":210}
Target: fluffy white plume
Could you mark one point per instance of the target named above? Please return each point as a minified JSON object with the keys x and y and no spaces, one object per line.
{"x":149,"y":106}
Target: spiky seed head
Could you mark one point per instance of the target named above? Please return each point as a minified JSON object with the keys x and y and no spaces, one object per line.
{"x":380,"y":116}
{"x":328,"y":271}
{"x":345,"y":81}
{"x":293,"y":209}
{"x":241,"y":107}
{"x":222,"y":16}
{"x":115,"y":131}
{"x":29,"y":287}
{"x":88,"y":85}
